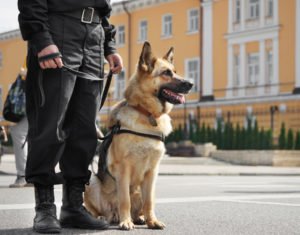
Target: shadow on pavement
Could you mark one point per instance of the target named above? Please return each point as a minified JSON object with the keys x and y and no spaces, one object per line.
{"x":29,"y":231}
{"x":6,"y":173}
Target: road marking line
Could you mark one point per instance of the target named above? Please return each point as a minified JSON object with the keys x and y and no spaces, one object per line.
{"x":225,"y":198}
{"x":260,"y":186}
{"x":240,"y":199}
{"x":264,"y":203}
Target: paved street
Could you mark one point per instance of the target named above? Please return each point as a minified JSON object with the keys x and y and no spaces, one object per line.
{"x":187,"y":204}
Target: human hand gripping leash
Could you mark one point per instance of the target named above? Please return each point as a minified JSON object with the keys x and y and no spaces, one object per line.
{"x":82,"y":75}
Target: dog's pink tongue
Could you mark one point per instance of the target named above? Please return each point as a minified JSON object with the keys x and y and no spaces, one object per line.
{"x":182,"y":99}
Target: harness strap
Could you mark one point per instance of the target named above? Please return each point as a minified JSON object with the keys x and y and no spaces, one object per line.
{"x":150,"y":134}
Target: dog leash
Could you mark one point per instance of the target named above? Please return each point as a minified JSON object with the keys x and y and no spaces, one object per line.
{"x":83,"y":75}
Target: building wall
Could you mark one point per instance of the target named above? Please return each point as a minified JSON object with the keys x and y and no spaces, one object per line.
{"x":276,"y":34}
{"x":186,"y":45}
{"x":220,"y":47}
{"x":287,"y":46}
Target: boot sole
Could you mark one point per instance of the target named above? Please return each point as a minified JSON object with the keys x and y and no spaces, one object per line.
{"x":84,"y":226}
{"x":48,"y":230}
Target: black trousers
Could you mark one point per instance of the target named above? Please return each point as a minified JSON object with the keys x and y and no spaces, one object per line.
{"x":61,"y":107}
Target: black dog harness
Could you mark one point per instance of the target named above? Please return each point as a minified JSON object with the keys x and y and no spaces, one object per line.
{"x":107,"y":140}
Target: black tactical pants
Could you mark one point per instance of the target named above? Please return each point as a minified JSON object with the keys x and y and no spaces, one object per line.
{"x":61,"y":107}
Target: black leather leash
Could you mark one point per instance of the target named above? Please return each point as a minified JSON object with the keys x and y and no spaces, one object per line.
{"x":82,"y":75}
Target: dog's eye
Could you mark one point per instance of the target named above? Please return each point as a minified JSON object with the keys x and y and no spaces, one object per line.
{"x":167,"y":73}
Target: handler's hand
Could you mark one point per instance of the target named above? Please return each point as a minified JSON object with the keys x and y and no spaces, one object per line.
{"x":52,"y":63}
{"x":115,"y":62}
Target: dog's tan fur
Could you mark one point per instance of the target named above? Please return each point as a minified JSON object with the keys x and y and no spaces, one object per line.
{"x":134,"y":160}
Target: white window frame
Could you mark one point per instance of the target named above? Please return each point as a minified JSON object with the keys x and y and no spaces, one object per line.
{"x":254,"y":9}
{"x":143,"y":30}
{"x":120,"y":85}
{"x":167,"y":26}
{"x":193,"y":76}
{"x":269,"y":67}
{"x":193,"y":20}
{"x":253,"y":69}
{"x":237,"y":11}
{"x":120,"y":37}
{"x":270,"y":8}
{"x":236,"y":70}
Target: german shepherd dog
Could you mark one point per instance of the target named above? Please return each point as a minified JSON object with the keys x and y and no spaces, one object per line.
{"x":125,"y":194}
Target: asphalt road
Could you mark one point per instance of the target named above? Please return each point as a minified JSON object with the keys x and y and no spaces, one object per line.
{"x":188,"y":205}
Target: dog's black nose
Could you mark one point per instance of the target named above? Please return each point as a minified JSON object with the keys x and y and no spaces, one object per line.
{"x":187,"y":85}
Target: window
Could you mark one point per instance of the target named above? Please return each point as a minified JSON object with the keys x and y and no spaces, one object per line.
{"x":143,"y":30}
{"x":269,"y":69}
{"x":1,"y":59}
{"x":120,"y":35}
{"x":167,"y":26}
{"x":237,"y":11}
{"x":253,"y":9}
{"x":236,"y":69}
{"x":193,"y":20}
{"x":270,"y":8}
{"x":119,"y":85}
{"x":192,"y":72}
{"x":253,"y":68}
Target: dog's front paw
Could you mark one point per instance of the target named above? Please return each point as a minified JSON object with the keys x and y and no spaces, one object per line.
{"x":126,"y":225}
{"x":155,"y":224}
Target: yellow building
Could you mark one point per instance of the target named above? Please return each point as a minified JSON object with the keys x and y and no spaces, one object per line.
{"x":247,"y":66}
{"x":242,"y":55}
{"x":252,"y":64}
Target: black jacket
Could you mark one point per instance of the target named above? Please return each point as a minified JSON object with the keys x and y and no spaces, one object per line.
{"x":33,"y":20}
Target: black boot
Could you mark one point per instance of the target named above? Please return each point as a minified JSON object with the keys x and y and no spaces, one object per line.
{"x":45,"y":220}
{"x":73,"y":214}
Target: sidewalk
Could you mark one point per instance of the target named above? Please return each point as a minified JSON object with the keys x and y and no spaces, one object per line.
{"x":209,"y":166}
{"x":192,"y":166}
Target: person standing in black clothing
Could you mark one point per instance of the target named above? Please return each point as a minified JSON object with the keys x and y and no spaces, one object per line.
{"x":61,"y":107}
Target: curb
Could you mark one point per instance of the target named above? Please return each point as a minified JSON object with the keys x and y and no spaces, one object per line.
{"x":229,"y":174}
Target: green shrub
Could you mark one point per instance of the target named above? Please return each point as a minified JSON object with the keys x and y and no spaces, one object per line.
{"x":297,"y":141}
{"x":281,"y":140}
{"x":290,"y":140}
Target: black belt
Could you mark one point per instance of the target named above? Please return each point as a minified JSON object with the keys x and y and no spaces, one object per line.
{"x":87,"y":15}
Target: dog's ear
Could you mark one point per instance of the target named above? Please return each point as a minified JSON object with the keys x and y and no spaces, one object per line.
{"x":170,"y":55}
{"x":147,"y":60}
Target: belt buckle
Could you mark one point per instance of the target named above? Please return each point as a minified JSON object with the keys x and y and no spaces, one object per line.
{"x":83,"y":16}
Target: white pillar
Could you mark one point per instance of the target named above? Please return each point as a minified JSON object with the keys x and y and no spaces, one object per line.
{"x":230,"y":71}
{"x":262,"y":13}
{"x":207,"y":80}
{"x":276,"y":88}
{"x":230,"y":16}
{"x":243,"y":14}
{"x":276,"y":12}
{"x":297,"y":85}
{"x":262,"y":67}
{"x":243,"y":76}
